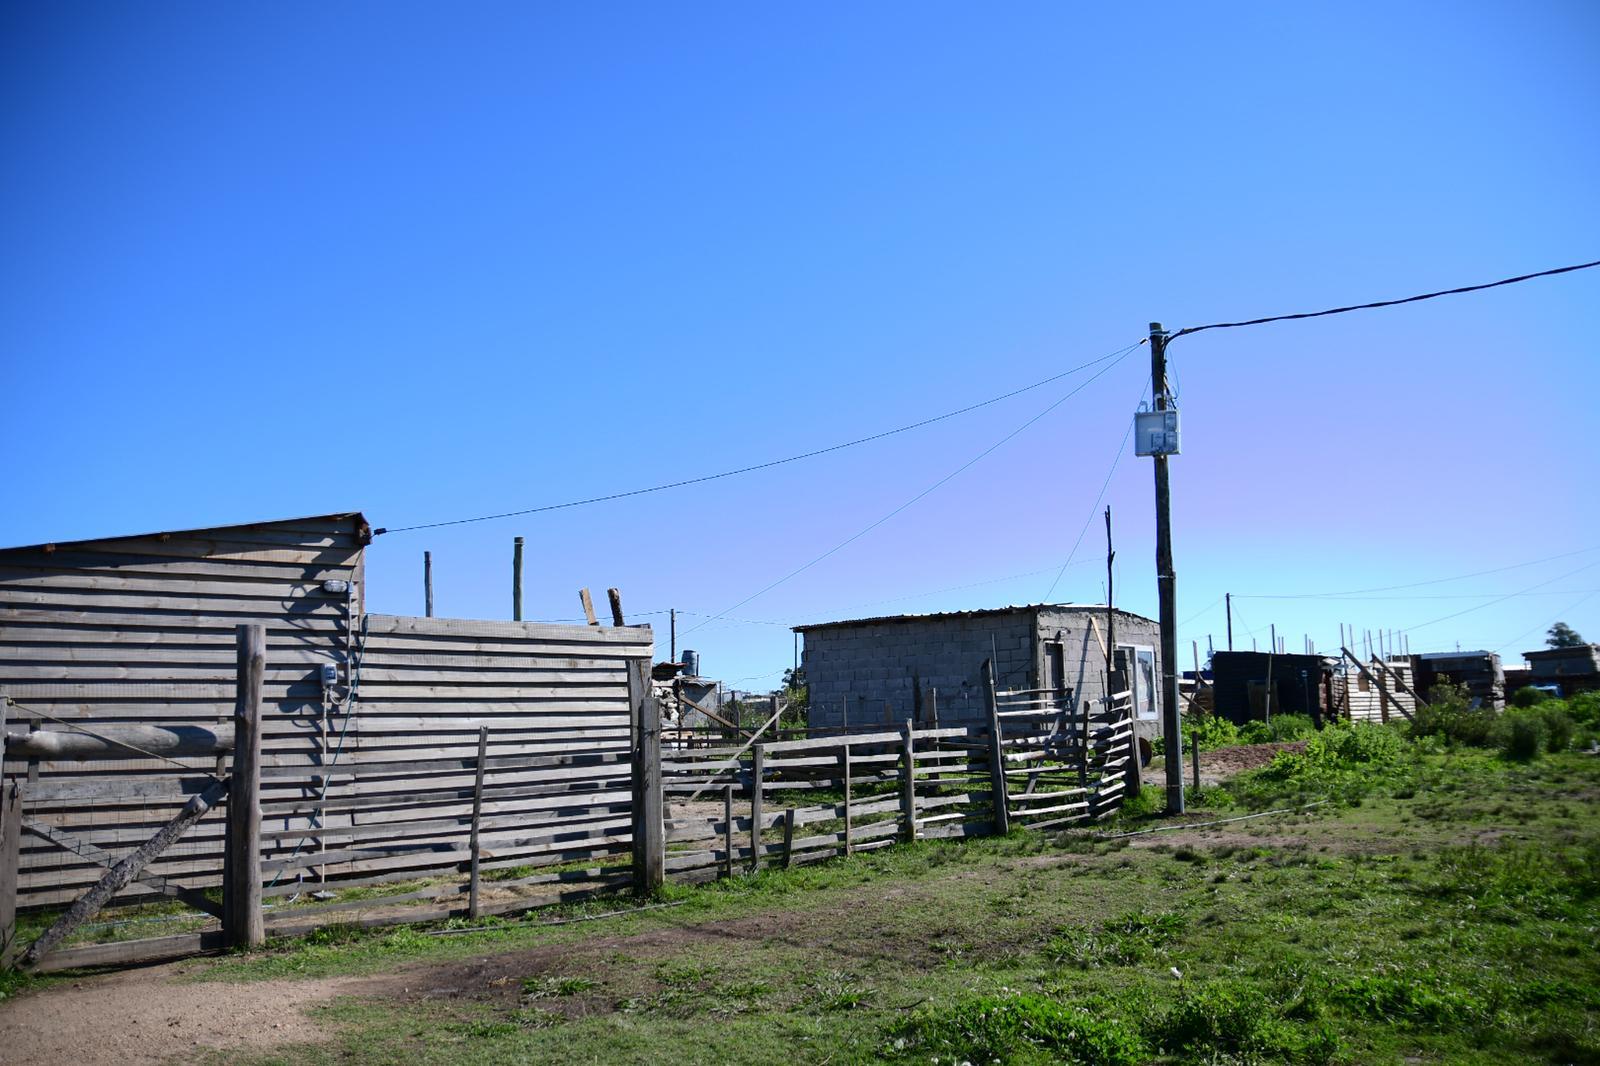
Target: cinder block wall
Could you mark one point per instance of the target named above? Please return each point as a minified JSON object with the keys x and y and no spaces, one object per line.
{"x":870,"y":667}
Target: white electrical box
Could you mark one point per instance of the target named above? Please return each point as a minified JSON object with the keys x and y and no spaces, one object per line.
{"x":1155,"y":432}
{"x":330,"y":675}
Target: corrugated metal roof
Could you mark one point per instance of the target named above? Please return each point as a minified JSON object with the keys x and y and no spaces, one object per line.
{"x":363,"y":530}
{"x":1434,"y":656}
{"x":986,"y":612}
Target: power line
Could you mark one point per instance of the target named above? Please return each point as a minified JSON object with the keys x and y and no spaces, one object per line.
{"x":1567,"y":610}
{"x":1502,"y":599}
{"x":757,"y":466}
{"x":1116,"y":357}
{"x":1386,"y":303}
{"x":1093,"y":509}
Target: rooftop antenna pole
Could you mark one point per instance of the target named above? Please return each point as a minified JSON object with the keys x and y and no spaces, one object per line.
{"x":427,"y":584}
{"x":1229,"y":597}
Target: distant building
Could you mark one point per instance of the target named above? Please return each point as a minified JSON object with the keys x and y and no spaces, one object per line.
{"x":882,"y":671}
{"x":1573,"y":669}
{"x":1480,"y":671}
{"x":1242,"y":682}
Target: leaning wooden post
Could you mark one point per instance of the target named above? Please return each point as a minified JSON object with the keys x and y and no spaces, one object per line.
{"x":758,"y":757}
{"x":615,"y":596}
{"x":908,"y":782}
{"x":999,"y":798}
{"x":477,"y":821}
{"x":649,"y":826}
{"x":242,"y":924}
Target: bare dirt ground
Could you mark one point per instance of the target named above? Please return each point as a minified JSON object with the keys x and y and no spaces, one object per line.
{"x":150,"y":1015}
{"x":145,"y":1016}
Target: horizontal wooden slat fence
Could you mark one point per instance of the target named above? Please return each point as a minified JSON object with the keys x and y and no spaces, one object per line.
{"x":733,"y":809}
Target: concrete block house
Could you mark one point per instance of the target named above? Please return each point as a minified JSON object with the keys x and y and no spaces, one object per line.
{"x":871,"y":672}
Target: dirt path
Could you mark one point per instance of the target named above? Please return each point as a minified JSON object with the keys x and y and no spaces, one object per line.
{"x":144,"y":1016}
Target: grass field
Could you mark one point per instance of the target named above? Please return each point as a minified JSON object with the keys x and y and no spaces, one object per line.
{"x":1443,"y":909}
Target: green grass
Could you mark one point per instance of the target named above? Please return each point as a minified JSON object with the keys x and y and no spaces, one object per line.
{"x":1444,"y":909}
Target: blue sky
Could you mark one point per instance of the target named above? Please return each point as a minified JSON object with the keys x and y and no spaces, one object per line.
{"x":429,"y":263}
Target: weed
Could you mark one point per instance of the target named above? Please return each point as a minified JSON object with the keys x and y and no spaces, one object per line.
{"x":1018,"y":1028}
{"x":548,"y":986}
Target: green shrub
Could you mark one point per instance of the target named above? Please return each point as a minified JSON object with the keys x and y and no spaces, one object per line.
{"x":1223,"y":1019}
{"x":1450,"y":714}
{"x":1017,"y":1029}
{"x":1257,"y":732}
{"x":1585,"y":708}
{"x":1528,"y":696}
{"x":1211,"y":731}
{"x":1558,"y":728}
{"x":1520,"y":733}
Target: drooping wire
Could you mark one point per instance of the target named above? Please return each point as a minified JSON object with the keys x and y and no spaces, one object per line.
{"x":1117,"y":358}
{"x":757,"y":466}
{"x":1411,"y":585}
{"x":1094,"y":508}
{"x":1385,"y":303}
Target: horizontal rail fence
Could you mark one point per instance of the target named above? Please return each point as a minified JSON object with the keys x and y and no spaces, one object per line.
{"x":735,"y":808}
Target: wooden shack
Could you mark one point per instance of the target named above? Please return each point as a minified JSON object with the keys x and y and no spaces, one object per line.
{"x":371,"y":725}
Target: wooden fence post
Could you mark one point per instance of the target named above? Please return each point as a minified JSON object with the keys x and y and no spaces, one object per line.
{"x":788,"y":837}
{"x":242,"y":922}
{"x":849,"y":838}
{"x":727,"y":829}
{"x":999,"y":795}
{"x":649,"y":827}
{"x":10,"y":856}
{"x":477,"y":821}
{"x":758,"y":755}
{"x":1083,"y":747}
{"x":908,"y":782}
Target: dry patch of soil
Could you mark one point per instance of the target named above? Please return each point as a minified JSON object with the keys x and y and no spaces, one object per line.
{"x":143,"y":1016}
{"x":1223,"y":763}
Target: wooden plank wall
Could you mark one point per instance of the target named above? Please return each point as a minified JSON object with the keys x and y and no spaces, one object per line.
{"x":141,"y":630}
{"x":557,"y":782}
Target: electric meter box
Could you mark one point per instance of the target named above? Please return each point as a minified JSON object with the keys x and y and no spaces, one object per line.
{"x":1155,"y":432}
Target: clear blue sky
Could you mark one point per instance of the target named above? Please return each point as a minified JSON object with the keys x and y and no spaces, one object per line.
{"x":269,"y":260}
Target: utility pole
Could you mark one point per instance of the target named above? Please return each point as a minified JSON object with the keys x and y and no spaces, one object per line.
{"x":1111,"y":619}
{"x":427,"y":584}
{"x":1229,"y":597}
{"x":673,"y":615}
{"x":1166,"y":586}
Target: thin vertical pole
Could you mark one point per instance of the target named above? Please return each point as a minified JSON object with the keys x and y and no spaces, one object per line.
{"x":849,"y":835}
{"x":615,"y":596}
{"x":516,"y":579}
{"x":727,"y":829}
{"x":427,"y":584}
{"x":241,"y":903}
{"x":1111,"y":618}
{"x":757,"y":765}
{"x":10,"y":849}
{"x":477,"y":821}
{"x":673,"y":616}
{"x":999,"y":798}
{"x":1229,"y":597}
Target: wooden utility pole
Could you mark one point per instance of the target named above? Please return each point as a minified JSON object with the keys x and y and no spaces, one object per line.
{"x":1166,"y":587}
{"x":427,"y":584}
{"x":516,"y":579}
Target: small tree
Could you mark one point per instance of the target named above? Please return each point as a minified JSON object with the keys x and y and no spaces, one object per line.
{"x":1562,"y":635}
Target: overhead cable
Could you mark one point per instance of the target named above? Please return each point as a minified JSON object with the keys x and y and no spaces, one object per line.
{"x":1116,"y":357}
{"x":757,"y":466}
{"x":1386,"y":303}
